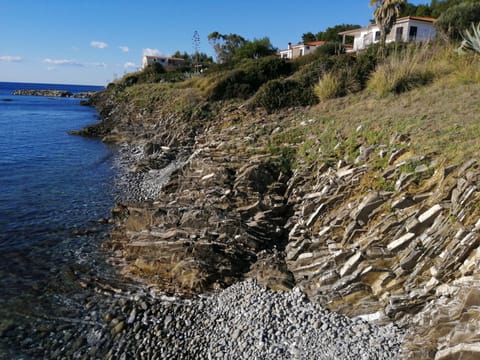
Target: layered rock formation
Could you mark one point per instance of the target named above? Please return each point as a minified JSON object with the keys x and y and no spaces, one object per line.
{"x":384,"y":255}
{"x":390,"y":236}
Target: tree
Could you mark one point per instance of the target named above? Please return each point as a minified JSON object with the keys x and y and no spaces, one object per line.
{"x":308,"y":37}
{"x":457,"y":19}
{"x":193,"y":62}
{"x":196,"y":52}
{"x":331,"y":33}
{"x":386,"y":13}
{"x":225,"y":45}
{"x":255,"y":49}
{"x":440,"y":6}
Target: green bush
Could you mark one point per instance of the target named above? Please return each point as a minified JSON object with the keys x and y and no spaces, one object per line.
{"x":330,"y":48}
{"x":281,"y":93}
{"x":309,"y":74}
{"x":347,"y":74}
{"x":454,"y":21}
{"x":246,"y":78}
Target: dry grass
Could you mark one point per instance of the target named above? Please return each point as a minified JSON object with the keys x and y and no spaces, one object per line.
{"x":403,"y":71}
{"x":183,"y":274}
{"x":328,"y":87}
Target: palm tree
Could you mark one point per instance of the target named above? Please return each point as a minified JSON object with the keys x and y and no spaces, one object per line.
{"x":386,"y":13}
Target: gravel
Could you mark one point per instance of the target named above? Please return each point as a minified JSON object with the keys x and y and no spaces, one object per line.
{"x":140,"y":176}
{"x":244,"y":321}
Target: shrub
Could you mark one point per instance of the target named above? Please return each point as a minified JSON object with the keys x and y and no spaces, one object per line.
{"x":281,"y":93}
{"x":245,"y":79}
{"x":231,"y":85}
{"x":304,"y":60}
{"x":453,"y":22}
{"x":330,"y":48}
{"x":348,"y":74}
{"x":309,"y":74}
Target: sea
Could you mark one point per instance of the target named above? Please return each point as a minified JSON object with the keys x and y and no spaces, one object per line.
{"x":54,"y":190}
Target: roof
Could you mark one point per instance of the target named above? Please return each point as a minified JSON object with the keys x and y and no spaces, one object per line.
{"x":314,"y":43}
{"x":418,"y":18}
{"x":355,"y":31}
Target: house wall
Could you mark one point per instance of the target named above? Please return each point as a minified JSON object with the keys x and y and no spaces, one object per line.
{"x":297,"y":51}
{"x":366,"y":38}
{"x":425,"y":31}
{"x":161,"y":60}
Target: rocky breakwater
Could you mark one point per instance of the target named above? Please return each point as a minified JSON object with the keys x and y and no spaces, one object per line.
{"x":54,"y":93}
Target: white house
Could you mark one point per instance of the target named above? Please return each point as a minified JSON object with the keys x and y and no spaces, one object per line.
{"x":162,"y":60}
{"x":295,"y":51}
{"x":406,"y":29}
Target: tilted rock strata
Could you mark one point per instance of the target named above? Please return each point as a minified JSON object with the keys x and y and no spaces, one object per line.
{"x":384,"y":255}
{"x":220,"y":216}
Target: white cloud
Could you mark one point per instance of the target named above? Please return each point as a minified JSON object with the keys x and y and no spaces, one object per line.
{"x":98,"y":44}
{"x":8,"y":58}
{"x":97,"y":64}
{"x":65,"y":62}
{"x":151,"y":52}
{"x":124,"y":49}
{"x":130,"y":65}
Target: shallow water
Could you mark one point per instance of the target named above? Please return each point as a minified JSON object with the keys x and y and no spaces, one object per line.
{"x":53,"y":189}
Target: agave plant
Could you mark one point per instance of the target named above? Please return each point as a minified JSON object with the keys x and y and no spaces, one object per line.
{"x":471,"y":40}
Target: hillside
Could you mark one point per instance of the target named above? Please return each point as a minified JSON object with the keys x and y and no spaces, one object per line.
{"x":367,"y":200}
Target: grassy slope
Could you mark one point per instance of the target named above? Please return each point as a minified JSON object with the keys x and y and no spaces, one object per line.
{"x":439,"y":119}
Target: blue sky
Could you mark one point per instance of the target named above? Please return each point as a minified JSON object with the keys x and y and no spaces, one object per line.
{"x":95,"y":41}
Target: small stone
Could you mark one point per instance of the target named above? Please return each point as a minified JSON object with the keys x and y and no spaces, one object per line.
{"x":118,"y":328}
{"x":131,"y":318}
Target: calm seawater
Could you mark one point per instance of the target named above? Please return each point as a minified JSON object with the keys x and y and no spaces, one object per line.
{"x":53,"y":189}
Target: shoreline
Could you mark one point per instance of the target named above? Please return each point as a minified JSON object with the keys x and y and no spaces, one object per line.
{"x":238,"y":209}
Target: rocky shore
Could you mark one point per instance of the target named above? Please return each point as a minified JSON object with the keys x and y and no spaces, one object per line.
{"x":389,"y":236}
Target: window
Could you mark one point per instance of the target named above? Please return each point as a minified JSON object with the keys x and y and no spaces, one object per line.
{"x":377,"y":35}
{"x":399,"y":34}
{"x":412,"y":35}
{"x":301,"y":52}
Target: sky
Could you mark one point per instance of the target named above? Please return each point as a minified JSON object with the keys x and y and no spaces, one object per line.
{"x":93,"y":42}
